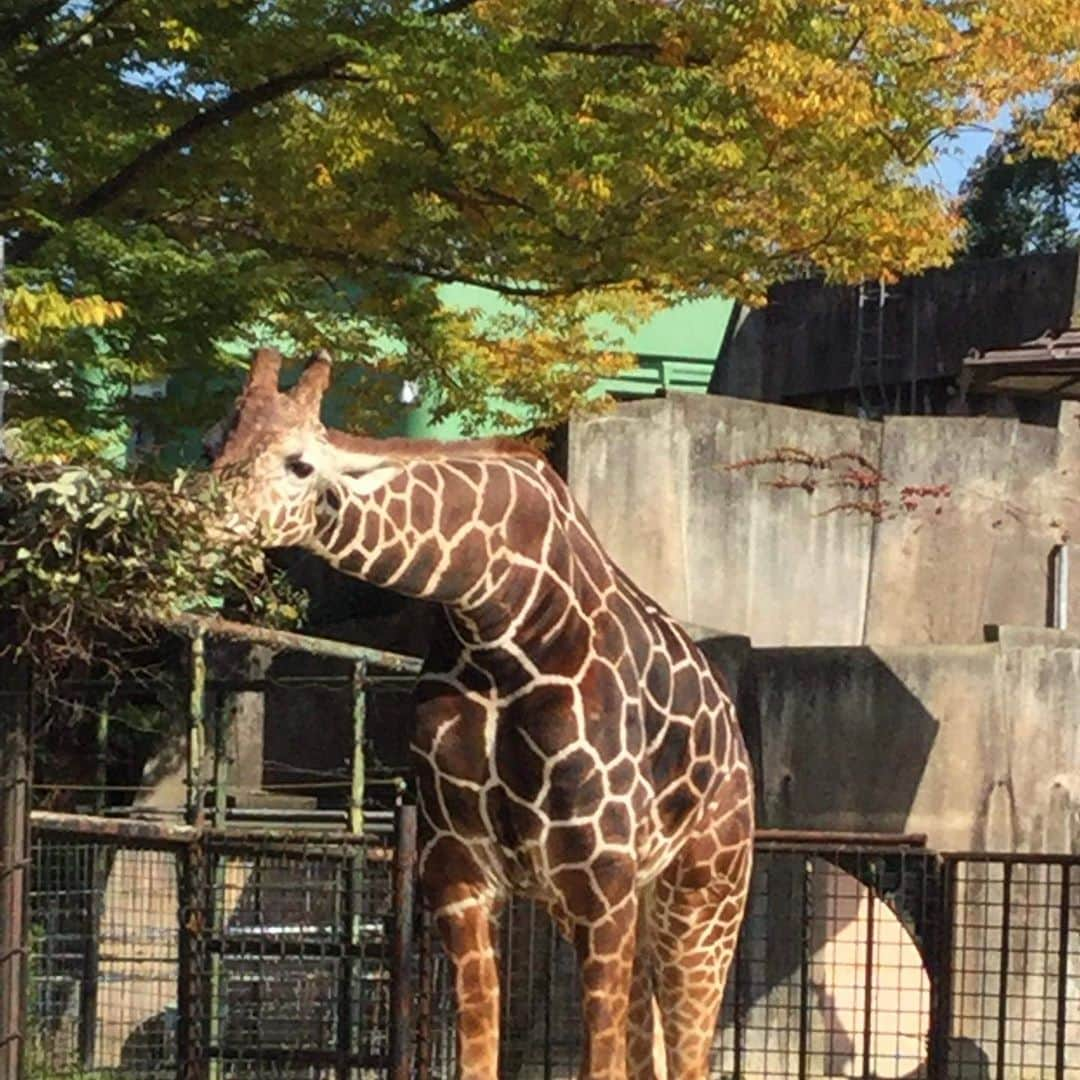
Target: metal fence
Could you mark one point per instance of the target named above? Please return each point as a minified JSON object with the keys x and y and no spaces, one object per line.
{"x":172,"y":951}
{"x":163,"y":951}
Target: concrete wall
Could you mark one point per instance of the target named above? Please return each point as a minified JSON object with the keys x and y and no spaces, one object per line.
{"x":725,"y":548}
{"x":977,"y":746}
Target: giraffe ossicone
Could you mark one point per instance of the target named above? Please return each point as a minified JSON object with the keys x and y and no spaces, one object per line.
{"x":572,"y":744}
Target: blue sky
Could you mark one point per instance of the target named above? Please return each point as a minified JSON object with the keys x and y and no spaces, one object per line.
{"x":957,"y":155}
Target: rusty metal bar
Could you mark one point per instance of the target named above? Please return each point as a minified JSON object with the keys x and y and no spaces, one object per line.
{"x":741,"y":975}
{"x":196,"y":744}
{"x":284,"y":640}
{"x":15,"y":764}
{"x":831,"y":839}
{"x":107,"y":828}
{"x":191,"y":963}
{"x":423,"y":1045}
{"x":401,"y":976}
{"x":1064,"y":913}
{"x":1003,"y":978}
{"x":347,"y":980}
{"x":807,"y":915}
{"x":868,"y":986}
{"x":940,"y":971}
{"x":359,"y":714}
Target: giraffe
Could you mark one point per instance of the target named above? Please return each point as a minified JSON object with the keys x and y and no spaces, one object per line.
{"x":571,"y":743}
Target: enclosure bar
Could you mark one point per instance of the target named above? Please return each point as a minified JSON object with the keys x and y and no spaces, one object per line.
{"x":217,"y":897}
{"x":1003,"y":977}
{"x":107,"y":828}
{"x":256,"y":685}
{"x":359,"y":711}
{"x":97,"y":873}
{"x":401,"y":982}
{"x":423,"y":1045}
{"x":191,"y":960}
{"x":198,"y":626}
{"x":804,"y":967}
{"x":549,"y":1017}
{"x":221,"y":763}
{"x":1063,"y":969}
{"x":868,"y":981}
{"x":14,"y":863}
{"x":742,"y":976}
{"x":196,"y":728}
{"x":1013,"y":858}
{"x":349,"y":926}
{"x":101,"y":749}
{"x":813,"y":838}
{"x":941,"y":972}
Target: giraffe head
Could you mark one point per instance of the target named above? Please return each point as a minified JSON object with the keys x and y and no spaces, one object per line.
{"x":274,"y":459}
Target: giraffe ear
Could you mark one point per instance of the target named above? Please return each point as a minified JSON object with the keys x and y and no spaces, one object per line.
{"x":309,"y":389}
{"x":263,"y":374}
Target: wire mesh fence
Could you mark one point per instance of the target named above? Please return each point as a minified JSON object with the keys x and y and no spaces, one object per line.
{"x":178,"y":952}
{"x":203,"y":954}
{"x":1015,"y":978}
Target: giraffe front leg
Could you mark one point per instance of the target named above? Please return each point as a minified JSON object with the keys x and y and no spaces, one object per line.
{"x":603,"y":935}
{"x":464,"y":911}
{"x":646,"y":1054}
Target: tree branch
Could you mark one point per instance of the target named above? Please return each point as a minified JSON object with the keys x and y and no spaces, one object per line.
{"x":634,"y":50}
{"x":14,"y":26}
{"x":229,"y":108}
{"x":449,"y":7}
{"x":414,"y":266}
{"x":50,"y":52}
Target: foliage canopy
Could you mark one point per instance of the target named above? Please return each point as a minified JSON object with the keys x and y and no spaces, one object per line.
{"x":316,"y":168}
{"x":1016,"y":202}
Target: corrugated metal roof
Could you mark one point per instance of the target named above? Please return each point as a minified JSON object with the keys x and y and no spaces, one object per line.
{"x":1046,"y":366}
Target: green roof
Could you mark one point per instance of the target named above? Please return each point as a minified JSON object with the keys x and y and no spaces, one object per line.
{"x":676,"y":350}
{"x":691,"y":330}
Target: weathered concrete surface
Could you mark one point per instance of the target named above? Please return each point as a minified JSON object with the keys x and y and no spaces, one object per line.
{"x":718,"y":546}
{"x":726,"y":547}
{"x":976,"y":746}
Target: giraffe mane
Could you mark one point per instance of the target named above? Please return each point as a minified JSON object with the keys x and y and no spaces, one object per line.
{"x":498,"y":446}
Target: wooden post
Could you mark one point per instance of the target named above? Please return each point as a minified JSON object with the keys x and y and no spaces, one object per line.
{"x":14,"y":862}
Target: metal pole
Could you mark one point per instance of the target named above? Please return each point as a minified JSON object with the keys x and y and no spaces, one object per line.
{"x":196,"y":728}
{"x":1059,"y":584}
{"x":401,"y":976}
{"x":15,"y":733}
{"x":941,"y":972}
{"x":1003,"y":976}
{"x":217,"y":888}
{"x":3,"y":342}
{"x":356,"y":796}
{"x":1064,"y":909}
{"x":805,"y":933}
{"x":97,"y":871}
{"x":868,"y":976}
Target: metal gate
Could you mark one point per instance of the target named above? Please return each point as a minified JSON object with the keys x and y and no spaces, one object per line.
{"x":164,"y":951}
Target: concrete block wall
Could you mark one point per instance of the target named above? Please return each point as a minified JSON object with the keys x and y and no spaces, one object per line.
{"x":722,"y":547}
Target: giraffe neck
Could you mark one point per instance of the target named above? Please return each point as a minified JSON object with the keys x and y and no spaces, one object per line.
{"x":486,"y":537}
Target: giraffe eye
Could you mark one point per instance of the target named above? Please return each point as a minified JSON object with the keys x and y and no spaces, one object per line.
{"x":298,"y":466}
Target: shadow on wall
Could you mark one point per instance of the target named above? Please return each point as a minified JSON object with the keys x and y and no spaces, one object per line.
{"x":845,"y":743}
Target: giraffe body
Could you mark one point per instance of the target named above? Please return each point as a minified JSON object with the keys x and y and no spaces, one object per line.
{"x":572,"y":744}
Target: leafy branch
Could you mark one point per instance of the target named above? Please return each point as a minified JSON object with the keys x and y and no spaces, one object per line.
{"x":90,"y":558}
